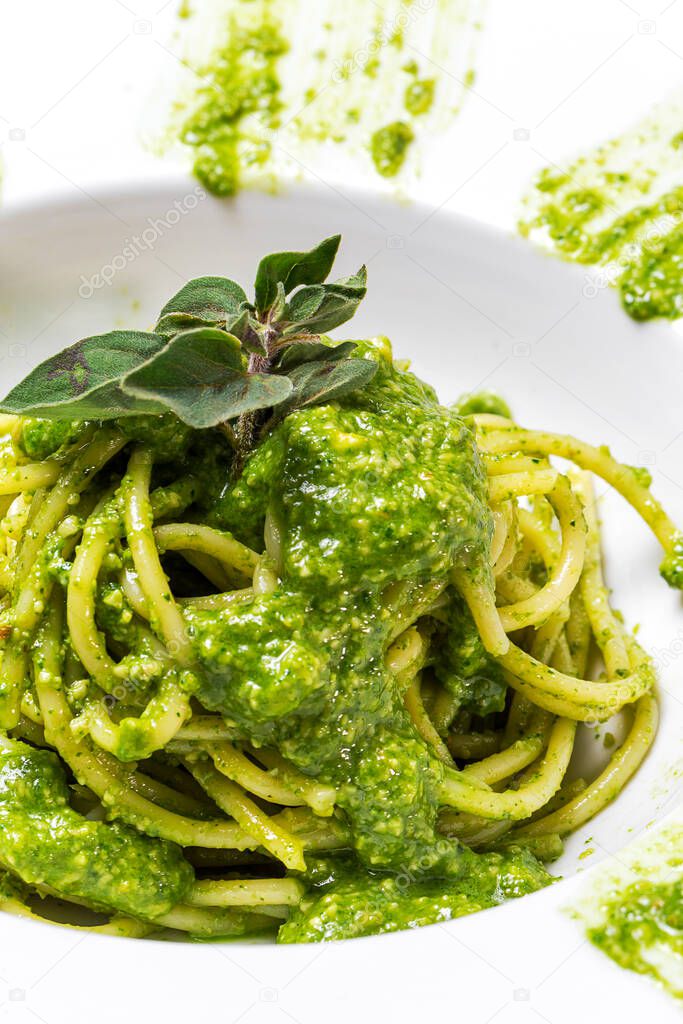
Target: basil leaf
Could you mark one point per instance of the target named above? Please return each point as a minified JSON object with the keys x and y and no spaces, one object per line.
{"x":279,"y":305}
{"x":235,"y":323}
{"x":319,"y":382}
{"x":293,"y":269}
{"x":323,"y":307}
{"x":174,"y":323}
{"x":84,"y":381}
{"x":209,"y":299}
{"x":240,"y":325}
{"x":197,"y":361}
{"x":298,"y":352}
{"x":200,"y":376}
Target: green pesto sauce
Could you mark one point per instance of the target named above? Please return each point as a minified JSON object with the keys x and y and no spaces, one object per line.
{"x":642,"y":931}
{"x":634,"y":910}
{"x":671,"y":568}
{"x":483,"y":402}
{"x":463,"y":665}
{"x":166,"y":435}
{"x":615,"y":209}
{"x":168,"y":438}
{"x":48,"y":844}
{"x":346,"y":903}
{"x":389,"y":147}
{"x":11,"y":888}
{"x":385,"y":488}
{"x":642,"y":247}
{"x":236,"y":108}
{"x":419,"y":96}
{"x":40,"y":439}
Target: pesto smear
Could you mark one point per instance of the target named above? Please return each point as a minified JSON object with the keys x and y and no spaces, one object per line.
{"x":635,"y":915}
{"x":49,"y":845}
{"x":288,"y":86}
{"x":619,"y":210}
{"x":355,"y":492}
{"x":347,"y":903}
{"x":242,"y":84}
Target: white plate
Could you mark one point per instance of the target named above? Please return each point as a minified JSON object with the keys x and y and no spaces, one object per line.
{"x":472,"y":308}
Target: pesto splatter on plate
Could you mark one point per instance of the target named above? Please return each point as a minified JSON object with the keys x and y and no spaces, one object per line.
{"x":276,"y":86}
{"x":619,"y":209}
{"x":634,"y":912}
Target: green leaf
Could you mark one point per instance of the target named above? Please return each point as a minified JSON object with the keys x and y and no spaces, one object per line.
{"x":84,"y":380}
{"x":277,"y":310}
{"x":211,"y":300}
{"x":293,"y":269}
{"x":173,"y":323}
{"x":196,"y":362}
{"x":323,"y":307}
{"x":315,"y":383}
{"x":240,"y":325}
{"x":200,"y":376}
{"x":312,"y":351}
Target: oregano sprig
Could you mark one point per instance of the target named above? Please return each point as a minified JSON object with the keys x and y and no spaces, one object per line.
{"x":214,"y":357}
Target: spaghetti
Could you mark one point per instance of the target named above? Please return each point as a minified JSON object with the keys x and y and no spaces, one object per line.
{"x":239,"y":703}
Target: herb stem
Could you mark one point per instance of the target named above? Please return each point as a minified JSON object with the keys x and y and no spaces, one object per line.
{"x":248,"y":423}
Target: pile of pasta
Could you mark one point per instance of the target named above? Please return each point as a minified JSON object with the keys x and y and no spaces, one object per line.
{"x":243,"y":814}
